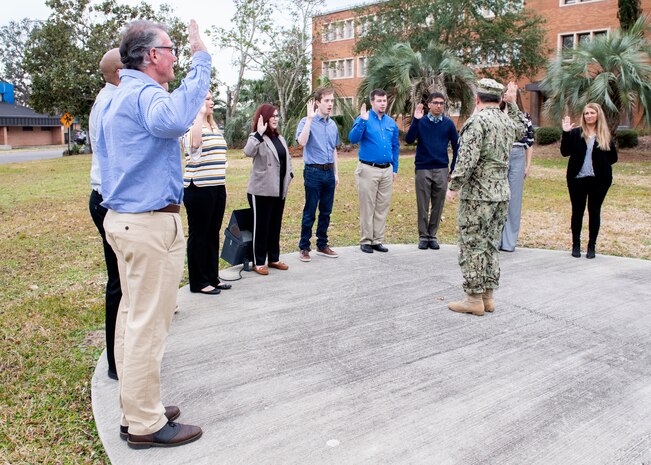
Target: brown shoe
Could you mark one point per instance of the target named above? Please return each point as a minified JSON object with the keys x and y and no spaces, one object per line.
{"x":471,"y":304}
{"x":171,"y":413}
{"x":170,"y":435}
{"x":489,"y":302}
{"x":279,"y":265}
{"x":327,"y":252}
{"x":263,"y":270}
{"x":304,"y":256}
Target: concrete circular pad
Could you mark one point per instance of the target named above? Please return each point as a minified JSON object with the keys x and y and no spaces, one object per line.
{"x":357,"y":360}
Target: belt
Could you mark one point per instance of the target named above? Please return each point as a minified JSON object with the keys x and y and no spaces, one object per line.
{"x":171,"y":208}
{"x":376,"y":165}
{"x":325,"y":167}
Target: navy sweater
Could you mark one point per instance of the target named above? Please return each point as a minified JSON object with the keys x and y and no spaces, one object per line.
{"x":433,"y":140}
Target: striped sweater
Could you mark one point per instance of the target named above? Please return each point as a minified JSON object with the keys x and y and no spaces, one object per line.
{"x":206,"y":166}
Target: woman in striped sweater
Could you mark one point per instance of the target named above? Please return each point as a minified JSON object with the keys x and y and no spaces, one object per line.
{"x":204,"y":198}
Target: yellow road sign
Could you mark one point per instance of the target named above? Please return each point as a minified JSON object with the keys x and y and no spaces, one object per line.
{"x":67,"y":119}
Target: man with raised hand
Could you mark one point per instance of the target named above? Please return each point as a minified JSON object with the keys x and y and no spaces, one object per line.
{"x":142,"y":184}
{"x":481,"y":174}
{"x":379,"y":148}
{"x":319,"y":136}
{"x":434,"y":132}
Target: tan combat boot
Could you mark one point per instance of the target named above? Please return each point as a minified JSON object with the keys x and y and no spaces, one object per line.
{"x":489,"y":303}
{"x":471,"y":304}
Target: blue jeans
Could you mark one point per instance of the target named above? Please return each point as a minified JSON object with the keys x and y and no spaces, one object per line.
{"x":319,"y":191}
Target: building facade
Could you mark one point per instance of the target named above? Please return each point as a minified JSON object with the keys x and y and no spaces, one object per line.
{"x":21,"y":126}
{"x":568,"y":23}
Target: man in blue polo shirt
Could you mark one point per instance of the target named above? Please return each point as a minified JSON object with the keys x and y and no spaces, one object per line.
{"x":319,"y":136}
{"x":379,"y":147}
{"x":434,"y":132}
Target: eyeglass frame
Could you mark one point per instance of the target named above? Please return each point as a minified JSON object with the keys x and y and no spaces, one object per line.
{"x":171,"y":48}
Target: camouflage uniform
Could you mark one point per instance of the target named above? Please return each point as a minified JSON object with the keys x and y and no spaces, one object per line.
{"x":485,"y":142}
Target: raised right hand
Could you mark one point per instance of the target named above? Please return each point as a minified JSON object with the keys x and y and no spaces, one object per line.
{"x":363,"y":113}
{"x":310,"y":108}
{"x":196,"y":44}
{"x":418,"y":113}
{"x":567,"y":124}
{"x":262,"y":127}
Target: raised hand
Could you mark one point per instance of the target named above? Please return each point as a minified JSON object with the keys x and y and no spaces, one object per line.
{"x":511,"y":92}
{"x":310,"y":108}
{"x":363,"y":113}
{"x":262,"y":127}
{"x":196,"y":44}
{"x":418,"y":113}
{"x":567,"y":124}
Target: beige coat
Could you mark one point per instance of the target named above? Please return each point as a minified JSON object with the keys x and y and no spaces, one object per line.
{"x":265,"y":173}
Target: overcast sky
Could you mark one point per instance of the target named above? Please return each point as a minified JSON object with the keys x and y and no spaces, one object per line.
{"x":206,"y":12}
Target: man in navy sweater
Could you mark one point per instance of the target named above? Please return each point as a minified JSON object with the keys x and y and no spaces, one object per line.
{"x":433,"y":132}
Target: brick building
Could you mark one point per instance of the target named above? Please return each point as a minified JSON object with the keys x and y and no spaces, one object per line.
{"x":21,"y":126}
{"x":568,"y":23}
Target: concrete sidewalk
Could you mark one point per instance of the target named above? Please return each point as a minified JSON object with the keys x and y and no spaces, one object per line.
{"x":357,"y":360}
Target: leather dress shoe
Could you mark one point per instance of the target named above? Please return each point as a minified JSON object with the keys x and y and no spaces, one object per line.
{"x":112,"y":374}
{"x":380,"y":248}
{"x":170,"y":435}
{"x":366,"y":248}
{"x":433,"y":244}
{"x":576,"y":250}
{"x":423,"y":244}
{"x":262,"y":269}
{"x":279,"y":265}
{"x":171,"y":413}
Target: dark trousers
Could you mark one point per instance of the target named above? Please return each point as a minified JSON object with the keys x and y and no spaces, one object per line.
{"x":267,"y":221}
{"x":113,"y":293}
{"x":593,"y":191}
{"x":319,"y":191}
{"x":205,"y":208}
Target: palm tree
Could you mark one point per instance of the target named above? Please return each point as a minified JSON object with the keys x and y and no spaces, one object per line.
{"x":613,"y":71}
{"x":409,"y":77}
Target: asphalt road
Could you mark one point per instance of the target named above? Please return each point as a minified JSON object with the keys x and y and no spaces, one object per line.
{"x":35,"y":153}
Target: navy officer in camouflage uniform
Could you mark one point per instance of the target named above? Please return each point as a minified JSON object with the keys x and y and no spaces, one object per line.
{"x":481,"y":174}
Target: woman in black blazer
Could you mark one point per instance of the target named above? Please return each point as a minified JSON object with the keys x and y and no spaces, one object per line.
{"x":592,"y":153}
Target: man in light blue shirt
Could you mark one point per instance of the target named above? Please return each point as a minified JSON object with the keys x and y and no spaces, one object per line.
{"x":142,"y":184}
{"x":319,"y":136}
{"x":379,"y":147}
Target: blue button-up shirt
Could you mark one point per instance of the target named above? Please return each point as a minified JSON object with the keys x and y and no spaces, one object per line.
{"x":324,"y":138}
{"x":138,"y":141}
{"x":378,"y":139}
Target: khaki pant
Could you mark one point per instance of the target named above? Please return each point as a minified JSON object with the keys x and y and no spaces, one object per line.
{"x":150,"y":248}
{"x":374,"y":186}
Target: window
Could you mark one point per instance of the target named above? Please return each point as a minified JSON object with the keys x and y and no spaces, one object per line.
{"x":28,"y":128}
{"x":338,"y":69}
{"x":569,"y":41}
{"x":361,"y":66}
{"x":338,"y":30}
{"x":576,"y":2}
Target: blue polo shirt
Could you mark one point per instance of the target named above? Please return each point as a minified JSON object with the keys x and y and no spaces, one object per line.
{"x":138,"y":141}
{"x":377,"y":138}
{"x":324,"y":138}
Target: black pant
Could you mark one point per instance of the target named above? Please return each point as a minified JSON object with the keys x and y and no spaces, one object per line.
{"x":593,"y":191}
{"x":113,"y":290}
{"x":205,"y":208}
{"x":267,"y":221}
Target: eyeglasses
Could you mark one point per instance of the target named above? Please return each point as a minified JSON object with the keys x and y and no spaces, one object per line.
{"x":439,"y":104}
{"x":171,"y":48}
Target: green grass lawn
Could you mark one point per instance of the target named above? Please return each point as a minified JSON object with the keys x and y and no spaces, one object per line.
{"x":52,"y":276}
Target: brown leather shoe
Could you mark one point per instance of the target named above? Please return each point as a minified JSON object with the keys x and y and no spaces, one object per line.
{"x":172,"y":412}
{"x":327,"y":252}
{"x":263,"y":270}
{"x":279,"y":265}
{"x":170,"y":435}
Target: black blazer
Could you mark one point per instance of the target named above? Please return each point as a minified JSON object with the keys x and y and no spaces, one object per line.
{"x":573,"y":145}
